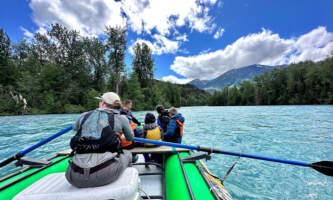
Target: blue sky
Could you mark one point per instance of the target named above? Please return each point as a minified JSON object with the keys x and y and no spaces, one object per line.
{"x":181,"y":33}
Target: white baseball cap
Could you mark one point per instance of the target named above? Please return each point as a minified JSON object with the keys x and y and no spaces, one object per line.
{"x":109,"y":97}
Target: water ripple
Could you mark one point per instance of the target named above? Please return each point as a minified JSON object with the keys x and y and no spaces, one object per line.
{"x":301,"y":133}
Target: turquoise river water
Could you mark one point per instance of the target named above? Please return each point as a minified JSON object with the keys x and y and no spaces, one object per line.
{"x":300,"y":133}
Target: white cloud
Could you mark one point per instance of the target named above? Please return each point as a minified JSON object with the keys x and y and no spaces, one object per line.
{"x":161,"y":18}
{"x":264,"y":47}
{"x":173,"y":79}
{"x":218,"y":33}
{"x":315,"y":46}
{"x":205,"y":51}
{"x":91,"y":16}
{"x":27,"y":33}
{"x":140,"y":41}
{"x":87,"y":16}
{"x":182,"y":38}
{"x":160,"y":46}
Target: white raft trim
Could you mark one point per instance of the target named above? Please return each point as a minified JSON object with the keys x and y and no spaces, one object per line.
{"x":56,"y":187}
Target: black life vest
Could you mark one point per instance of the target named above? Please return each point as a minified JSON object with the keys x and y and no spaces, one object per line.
{"x":164,"y":121}
{"x":108,"y":142}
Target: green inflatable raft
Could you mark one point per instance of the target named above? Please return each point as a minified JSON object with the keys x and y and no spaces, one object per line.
{"x":180,"y":176}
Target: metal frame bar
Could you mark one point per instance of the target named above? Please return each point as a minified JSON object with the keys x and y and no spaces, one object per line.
{"x":206,"y":180}
{"x":152,"y":197}
{"x":149,"y":163}
{"x":186,"y":178}
{"x":32,"y":173}
{"x":22,"y":170}
{"x":163,"y":176}
{"x":155,"y":173}
{"x":151,"y":173}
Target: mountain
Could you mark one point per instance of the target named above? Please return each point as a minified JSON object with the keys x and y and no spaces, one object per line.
{"x":199,"y":83}
{"x":232,"y":77}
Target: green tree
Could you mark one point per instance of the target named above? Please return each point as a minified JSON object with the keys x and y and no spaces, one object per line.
{"x":95,"y":52}
{"x":135,"y":93}
{"x":247,"y":93}
{"x":7,"y":68}
{"x":143,"y":64}
{"x":91,"y":101}
{"x":116,"y":46}
{"x":233,"y":96}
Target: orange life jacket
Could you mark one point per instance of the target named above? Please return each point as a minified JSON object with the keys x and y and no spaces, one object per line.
{"x":180,"y":127}
{"x":133,"y":126}
{"x":124,"y":142}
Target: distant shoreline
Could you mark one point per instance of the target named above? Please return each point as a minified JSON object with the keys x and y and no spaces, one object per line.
{"x":9,"y":115}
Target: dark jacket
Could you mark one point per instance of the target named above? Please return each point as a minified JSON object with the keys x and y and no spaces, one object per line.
{"x":130,"y":116}
{"x":173,"y":132}
{"x":163,"y":121}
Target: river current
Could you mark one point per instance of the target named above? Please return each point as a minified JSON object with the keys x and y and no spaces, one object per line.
{"x":300,"y":133}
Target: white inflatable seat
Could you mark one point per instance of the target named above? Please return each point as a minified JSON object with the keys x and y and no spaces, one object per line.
{"x":56,"y":187}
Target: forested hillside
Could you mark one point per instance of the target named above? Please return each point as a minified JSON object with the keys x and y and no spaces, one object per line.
{"x":302,"y":83}
{"x":62,"y":71}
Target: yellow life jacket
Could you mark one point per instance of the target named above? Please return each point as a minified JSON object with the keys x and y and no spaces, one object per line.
{"x":153,"y":134}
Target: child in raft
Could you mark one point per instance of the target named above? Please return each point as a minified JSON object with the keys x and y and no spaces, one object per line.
{"x":151,"y":131}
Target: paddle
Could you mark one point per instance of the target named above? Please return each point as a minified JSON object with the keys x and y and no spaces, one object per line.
{"x":22,"y":153}
{"x":324,"y":167}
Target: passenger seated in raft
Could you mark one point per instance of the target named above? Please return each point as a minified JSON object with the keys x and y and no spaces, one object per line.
{"x":98,"y":159}
{"x":151,"y":131}
{"x":126,"y":111}
{"x":163,"y":117}
{"x":175,"y":127}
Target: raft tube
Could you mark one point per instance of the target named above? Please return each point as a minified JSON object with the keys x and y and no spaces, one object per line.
{"x":175,"y":182}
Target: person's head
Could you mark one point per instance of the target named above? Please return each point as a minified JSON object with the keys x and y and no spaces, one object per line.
{"x":128,"y":104}
{"x":109,"y":100}
{"x":159,"y":109}
{"x":172,"y":111}
{"x":150,"y":118}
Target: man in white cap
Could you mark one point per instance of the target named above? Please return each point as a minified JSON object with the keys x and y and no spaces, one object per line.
{"x":98,"y":159}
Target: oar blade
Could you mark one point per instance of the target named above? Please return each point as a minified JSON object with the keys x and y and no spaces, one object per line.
{"x":324,"y":167}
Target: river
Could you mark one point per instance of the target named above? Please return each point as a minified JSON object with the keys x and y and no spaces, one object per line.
{"x":300,"y":133}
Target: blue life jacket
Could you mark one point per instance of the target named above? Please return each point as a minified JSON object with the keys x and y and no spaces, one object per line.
{"x":96,"y":134}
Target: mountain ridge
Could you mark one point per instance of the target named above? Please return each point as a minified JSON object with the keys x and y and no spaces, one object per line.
{"x":232,"y":77}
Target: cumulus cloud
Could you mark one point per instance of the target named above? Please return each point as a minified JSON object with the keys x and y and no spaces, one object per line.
{"x":160,"y":46}
{"x":315,"y":46}
{"x":27,"y":33}
{"x":91,"y":16}
{"x":173,"y":79}
{"x":218,"y":33}
{"x":87,"y":16}
{"x":182,"y":38}
{"x":264,"y":47}
{"x":160,"y":19}
{"x":165,"y":16}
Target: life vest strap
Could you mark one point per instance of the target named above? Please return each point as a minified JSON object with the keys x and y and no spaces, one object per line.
{"x":180,"y":124}
{"x":85,"y":117}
